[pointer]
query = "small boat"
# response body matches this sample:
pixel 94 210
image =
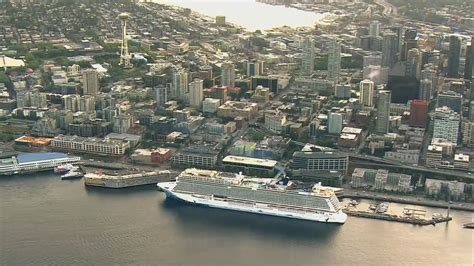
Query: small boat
pixel 469 225
pixel 373 207
pixel 74 173
pixel 382 207
pixel 63 168
pixel 354 202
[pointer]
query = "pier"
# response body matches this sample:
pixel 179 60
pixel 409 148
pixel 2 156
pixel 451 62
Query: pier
pixel 396 218
pixel 407 200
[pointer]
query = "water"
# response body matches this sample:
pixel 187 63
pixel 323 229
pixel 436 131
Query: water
pixel 250 14
pixel 44 220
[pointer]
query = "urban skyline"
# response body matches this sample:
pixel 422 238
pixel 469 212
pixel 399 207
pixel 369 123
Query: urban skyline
pixel 364 113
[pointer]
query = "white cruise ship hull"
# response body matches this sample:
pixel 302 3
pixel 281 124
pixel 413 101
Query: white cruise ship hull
pixel 209 201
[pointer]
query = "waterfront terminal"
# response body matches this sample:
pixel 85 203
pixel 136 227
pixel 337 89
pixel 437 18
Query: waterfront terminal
pixel 120 180
pixel 34 162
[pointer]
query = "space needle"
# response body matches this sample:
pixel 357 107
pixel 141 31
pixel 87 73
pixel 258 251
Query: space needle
pixel 124 54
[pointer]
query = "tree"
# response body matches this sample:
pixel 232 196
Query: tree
pixel 63 61
pixel 4 78
pixel 32 61
pixel 207 83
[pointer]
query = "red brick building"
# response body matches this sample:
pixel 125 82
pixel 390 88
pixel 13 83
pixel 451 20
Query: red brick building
pixel 418 113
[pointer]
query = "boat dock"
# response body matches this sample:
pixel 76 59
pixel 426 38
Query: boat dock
pixel 396 218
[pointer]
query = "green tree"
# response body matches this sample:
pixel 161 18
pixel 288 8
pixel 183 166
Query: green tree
pixel 207 83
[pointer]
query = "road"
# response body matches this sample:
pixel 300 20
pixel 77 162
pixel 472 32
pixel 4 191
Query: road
pixel 383 162
pixel 388 9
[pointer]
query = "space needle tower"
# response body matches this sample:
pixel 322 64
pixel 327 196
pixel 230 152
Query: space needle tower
pixel 124 55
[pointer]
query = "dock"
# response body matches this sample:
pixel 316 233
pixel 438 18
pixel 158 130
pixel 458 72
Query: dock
pixel 396 218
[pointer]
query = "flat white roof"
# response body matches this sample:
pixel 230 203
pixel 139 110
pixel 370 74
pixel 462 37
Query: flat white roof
pixel 6 61
pixel 351 130
pixel 249 161
pixel 461 157
pixel 348 136
pixel 435 148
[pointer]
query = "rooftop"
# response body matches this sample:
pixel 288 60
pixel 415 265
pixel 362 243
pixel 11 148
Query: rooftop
pixel 33 157
pixel 351 130
pixel 461 158
pixel 249 161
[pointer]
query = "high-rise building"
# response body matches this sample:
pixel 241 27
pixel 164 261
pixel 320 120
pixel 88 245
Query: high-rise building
pixel 308 56
pixel 160 94
pixel 451 99
pixel 334 59
pixel 122 123
pixel 454 56
pixel 109 112
pixel 468 134
pixel 63 119
pixel 319 161
pixel 314 127
pixel 413 63
pixel 196 94
pixel 446 124
pixel 374 28
pixel 418 113
pixel 87 104
pixel 383 112
pixel 71 102
pixel 366 97
pixel 342 91
pixel 90 82
pixel 410 41
pixel 426 90
pixel 255 68
pixel 389 49
pixel 275 121
pixel 23 99
pixel 335 121
pixel 429 72
pixel 220 20
pixel 228 75
pixel 179 84
pixel 468 66
pixel 398 30
pixel 471 111
pixel 38 99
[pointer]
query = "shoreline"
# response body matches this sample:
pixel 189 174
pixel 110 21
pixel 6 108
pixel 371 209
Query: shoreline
pixel 321 16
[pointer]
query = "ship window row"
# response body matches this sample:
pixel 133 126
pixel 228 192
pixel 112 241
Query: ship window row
pixel 200 179
pixel 255 195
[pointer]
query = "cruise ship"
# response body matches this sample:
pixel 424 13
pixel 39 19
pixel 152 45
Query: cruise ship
pixel 33 162
pixel 255 195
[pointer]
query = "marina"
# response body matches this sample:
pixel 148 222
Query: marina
pixel 380 211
